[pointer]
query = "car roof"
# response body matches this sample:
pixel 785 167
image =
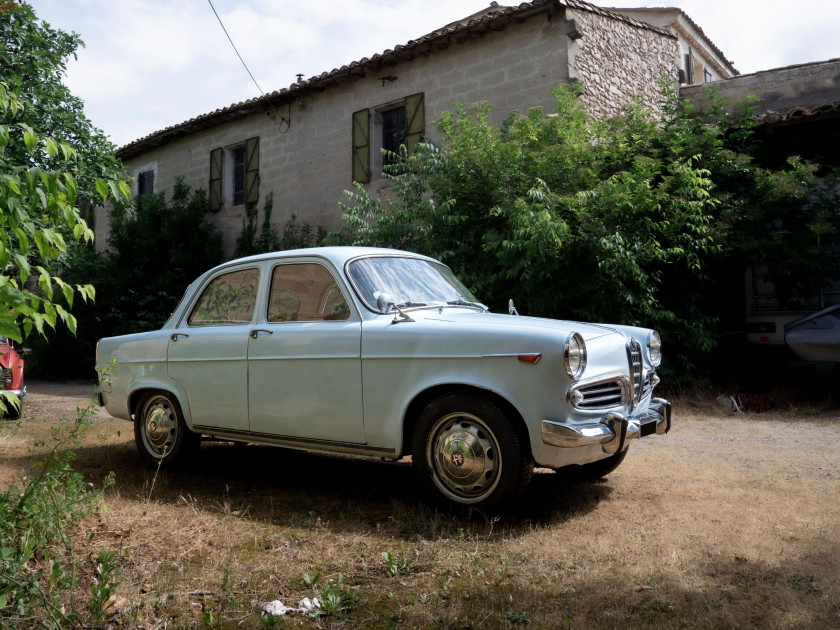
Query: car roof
pixel 338 255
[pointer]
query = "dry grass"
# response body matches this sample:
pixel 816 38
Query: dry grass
pixel 728 522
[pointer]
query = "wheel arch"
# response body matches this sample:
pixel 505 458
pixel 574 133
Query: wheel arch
pixel 419 402
pixel 138 394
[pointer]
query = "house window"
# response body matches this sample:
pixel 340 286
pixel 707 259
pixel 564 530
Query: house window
pixel 385 127
pixel 688 66
pixel 234 174
pixel 238 156
pixel 393 133
pixel 145 182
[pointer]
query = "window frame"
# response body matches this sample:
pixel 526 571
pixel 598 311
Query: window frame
pixel 320 299
pixel 210 281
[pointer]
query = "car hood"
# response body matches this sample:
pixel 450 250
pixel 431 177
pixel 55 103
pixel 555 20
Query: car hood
pixel 471 318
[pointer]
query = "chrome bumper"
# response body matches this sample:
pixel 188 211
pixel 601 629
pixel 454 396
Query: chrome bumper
pixel 20 393
pixel 613 431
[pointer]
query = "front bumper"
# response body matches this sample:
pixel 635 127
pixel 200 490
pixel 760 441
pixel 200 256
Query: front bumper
pixel 20 393
pixel 613 431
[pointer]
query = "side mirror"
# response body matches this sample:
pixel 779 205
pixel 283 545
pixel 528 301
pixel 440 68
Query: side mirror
pixel 384 303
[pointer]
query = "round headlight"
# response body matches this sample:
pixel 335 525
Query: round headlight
pixel 654 347
pixel 575 355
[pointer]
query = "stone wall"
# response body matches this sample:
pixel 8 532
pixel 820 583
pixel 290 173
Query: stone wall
pixel 615 60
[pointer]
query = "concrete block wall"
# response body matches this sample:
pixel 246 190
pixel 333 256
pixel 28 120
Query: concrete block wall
pixel 306 159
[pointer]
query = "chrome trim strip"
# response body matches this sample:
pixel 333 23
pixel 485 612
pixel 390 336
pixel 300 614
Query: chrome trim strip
pixel 294 442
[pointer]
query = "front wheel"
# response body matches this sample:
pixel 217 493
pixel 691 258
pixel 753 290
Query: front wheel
pixel 466 451
pixel 160 433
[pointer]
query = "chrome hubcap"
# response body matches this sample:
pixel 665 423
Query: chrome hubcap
pixel 464 458
pixel 160 426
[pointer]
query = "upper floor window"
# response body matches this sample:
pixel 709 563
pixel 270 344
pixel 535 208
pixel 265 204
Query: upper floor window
pixel 238 156
pixel 234 174
pixel 393 132
pixel 386 127
pixel 145 182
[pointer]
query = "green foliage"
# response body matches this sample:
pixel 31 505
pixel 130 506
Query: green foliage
pixel 295 235
pixel 33 60
pixel 37 210
pixel 333 598
pixel 38 563
pixel 156 248
pixel 627 220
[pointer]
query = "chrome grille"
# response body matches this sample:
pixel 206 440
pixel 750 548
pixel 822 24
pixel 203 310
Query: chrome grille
pixel 602 393
pixel 634 359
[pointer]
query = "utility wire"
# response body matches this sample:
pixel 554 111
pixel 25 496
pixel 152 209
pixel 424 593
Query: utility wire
pixel 236 51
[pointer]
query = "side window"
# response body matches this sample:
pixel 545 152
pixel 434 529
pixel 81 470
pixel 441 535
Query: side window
pixel 305 292
pixel 228 300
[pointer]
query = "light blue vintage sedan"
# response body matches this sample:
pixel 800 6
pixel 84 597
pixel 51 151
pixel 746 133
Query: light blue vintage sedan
pixel 384 353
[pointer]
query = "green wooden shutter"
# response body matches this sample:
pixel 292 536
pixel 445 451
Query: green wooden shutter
pixel 361 146
pixel 216 180
pixel 252 170
pixel 415 121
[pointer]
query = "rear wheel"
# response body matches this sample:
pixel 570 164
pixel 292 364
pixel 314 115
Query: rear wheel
pixel 466 451
pixel 161 436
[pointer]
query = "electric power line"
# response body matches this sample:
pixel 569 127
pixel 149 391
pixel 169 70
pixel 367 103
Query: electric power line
pixel 236 51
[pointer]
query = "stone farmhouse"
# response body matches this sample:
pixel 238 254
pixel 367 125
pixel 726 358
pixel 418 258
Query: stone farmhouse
pixel 309 142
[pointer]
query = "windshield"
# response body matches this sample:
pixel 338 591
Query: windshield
pixel 409 282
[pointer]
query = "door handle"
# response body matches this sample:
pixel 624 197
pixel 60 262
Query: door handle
pixel 174 336
pixel 256 332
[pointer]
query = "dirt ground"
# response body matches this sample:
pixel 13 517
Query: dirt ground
pixel 730 521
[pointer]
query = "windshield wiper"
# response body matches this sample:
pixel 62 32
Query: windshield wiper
pixel 410 304
pixel 460 302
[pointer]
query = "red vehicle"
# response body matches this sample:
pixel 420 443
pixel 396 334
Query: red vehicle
pixel 11 376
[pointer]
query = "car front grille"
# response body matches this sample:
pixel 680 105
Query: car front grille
pixel 634 359
pixel 603 393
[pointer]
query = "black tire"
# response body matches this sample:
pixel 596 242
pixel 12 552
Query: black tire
pixel 161 436
pixel 466 451
pixel 12 412
pixel 595 470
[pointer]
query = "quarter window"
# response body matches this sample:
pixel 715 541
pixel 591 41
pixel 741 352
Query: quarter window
pixel 305 292
pixel 228 300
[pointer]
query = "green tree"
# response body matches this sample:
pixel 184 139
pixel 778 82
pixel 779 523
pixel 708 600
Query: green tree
pixel 37 207
pixel 33 61
pixel 629 219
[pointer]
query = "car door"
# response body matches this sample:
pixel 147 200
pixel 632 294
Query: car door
pixel 304 361
pixel 208 352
